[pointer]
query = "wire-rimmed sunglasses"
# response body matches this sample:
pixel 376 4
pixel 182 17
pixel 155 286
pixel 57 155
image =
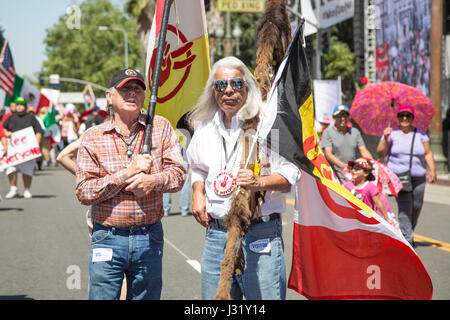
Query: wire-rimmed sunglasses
pixel 236 84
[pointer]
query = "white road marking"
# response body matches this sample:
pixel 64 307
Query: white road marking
pixel 193 263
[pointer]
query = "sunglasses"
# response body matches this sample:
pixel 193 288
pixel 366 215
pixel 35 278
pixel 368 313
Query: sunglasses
pixel 126 89
pixel 405 115
pixel 341 115
pixel 236 84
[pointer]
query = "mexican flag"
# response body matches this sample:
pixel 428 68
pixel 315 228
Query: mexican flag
pixel 22 88
pixel 52 130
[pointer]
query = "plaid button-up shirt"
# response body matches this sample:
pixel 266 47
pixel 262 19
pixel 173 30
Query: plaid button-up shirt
pixel 101 174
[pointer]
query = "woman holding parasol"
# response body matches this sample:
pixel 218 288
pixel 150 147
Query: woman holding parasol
pixel 409 154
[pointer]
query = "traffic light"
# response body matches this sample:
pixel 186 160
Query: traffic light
pixel 41 79
pixel 325 41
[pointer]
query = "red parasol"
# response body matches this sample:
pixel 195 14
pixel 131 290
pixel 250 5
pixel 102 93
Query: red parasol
pixel 374 107
pixel 385 179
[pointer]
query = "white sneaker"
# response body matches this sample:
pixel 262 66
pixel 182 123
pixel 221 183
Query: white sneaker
pixel 11 194
pixel 27 194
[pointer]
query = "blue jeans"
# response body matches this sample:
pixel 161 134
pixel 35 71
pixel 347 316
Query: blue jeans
pixel 264 275
pixel 185 196
pixel 136 253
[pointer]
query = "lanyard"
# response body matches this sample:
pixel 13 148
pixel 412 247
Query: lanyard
pixel 227 158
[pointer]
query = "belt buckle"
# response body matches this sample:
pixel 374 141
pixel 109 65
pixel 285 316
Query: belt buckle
pixel 265 218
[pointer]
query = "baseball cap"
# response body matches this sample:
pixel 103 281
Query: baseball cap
pixel 121 77
pixel 338 109
pixel 406 108
pixel 20 100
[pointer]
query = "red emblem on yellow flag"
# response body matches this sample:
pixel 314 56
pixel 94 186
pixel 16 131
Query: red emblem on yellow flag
pixel 185 66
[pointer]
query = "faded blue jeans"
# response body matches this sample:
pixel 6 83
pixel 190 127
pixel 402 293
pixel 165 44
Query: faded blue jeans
pixel 264 276
pixel 136 253
pixel 409 207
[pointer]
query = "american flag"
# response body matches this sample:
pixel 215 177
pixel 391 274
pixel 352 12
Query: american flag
pixel 7 71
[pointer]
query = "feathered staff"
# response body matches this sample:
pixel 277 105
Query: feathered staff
pixel 273 35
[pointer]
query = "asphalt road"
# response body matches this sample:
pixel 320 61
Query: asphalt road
pixel 44 243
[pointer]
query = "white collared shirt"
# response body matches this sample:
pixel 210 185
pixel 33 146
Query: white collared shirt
pixel 206 157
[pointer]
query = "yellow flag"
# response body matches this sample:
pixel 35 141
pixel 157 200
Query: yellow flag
pixel 185 66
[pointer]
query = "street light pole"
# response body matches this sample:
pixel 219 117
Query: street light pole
pixel 317 69
pixel 436 85
pixel 125 39
pixel 228 44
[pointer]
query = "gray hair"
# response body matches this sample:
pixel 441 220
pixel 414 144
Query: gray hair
pixel 206 106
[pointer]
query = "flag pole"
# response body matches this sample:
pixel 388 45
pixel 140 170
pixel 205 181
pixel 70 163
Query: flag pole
pixel 147 144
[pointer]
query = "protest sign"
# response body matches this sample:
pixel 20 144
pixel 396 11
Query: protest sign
pixel 327 95
pixel 22 147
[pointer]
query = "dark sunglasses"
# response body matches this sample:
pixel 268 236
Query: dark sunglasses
pixel 236 84
pixel 405 115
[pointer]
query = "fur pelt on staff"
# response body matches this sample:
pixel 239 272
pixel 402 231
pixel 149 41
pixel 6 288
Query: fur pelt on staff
pixel 244 208
pixel 273 35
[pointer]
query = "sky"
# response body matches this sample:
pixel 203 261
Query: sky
pixel 24 24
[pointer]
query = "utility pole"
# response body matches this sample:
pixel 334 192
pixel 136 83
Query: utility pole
pixel 317 69
pixel 369 40
pixel 436 85
pixel 228 43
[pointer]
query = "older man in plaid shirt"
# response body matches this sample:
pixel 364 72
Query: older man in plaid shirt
pixel 125 191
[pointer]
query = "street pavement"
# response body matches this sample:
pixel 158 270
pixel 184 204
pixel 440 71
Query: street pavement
pixel 44 243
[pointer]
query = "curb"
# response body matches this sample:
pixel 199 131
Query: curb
pixel 443 182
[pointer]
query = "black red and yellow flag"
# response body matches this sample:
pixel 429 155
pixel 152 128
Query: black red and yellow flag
pixel 342 249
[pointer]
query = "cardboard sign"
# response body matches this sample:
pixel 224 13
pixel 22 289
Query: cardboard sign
pixel 22 147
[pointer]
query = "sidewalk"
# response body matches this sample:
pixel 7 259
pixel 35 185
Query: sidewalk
pixel 443 179
pixel 439 192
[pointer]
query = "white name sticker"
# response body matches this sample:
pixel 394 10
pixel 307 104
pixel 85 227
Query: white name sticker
pixel 260 246
pixel 102 254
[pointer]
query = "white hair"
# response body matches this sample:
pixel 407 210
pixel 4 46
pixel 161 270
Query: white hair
pixel 206 106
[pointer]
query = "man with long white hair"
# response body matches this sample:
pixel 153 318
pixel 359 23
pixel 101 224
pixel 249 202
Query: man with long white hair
pixel 229 104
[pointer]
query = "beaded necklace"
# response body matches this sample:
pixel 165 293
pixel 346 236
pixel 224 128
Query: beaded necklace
pixel 129 151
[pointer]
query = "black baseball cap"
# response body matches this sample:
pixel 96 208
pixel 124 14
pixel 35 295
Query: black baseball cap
pixel 121 77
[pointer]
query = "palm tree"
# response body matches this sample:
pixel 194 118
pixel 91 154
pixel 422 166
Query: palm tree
pixel 143 11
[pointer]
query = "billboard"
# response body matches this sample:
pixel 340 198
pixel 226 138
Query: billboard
pixel 324 14
pixel 403 42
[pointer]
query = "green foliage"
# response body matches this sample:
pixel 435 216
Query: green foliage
pixel 88 53
pixel 2 39
pixel 340 62
pixel 135 7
